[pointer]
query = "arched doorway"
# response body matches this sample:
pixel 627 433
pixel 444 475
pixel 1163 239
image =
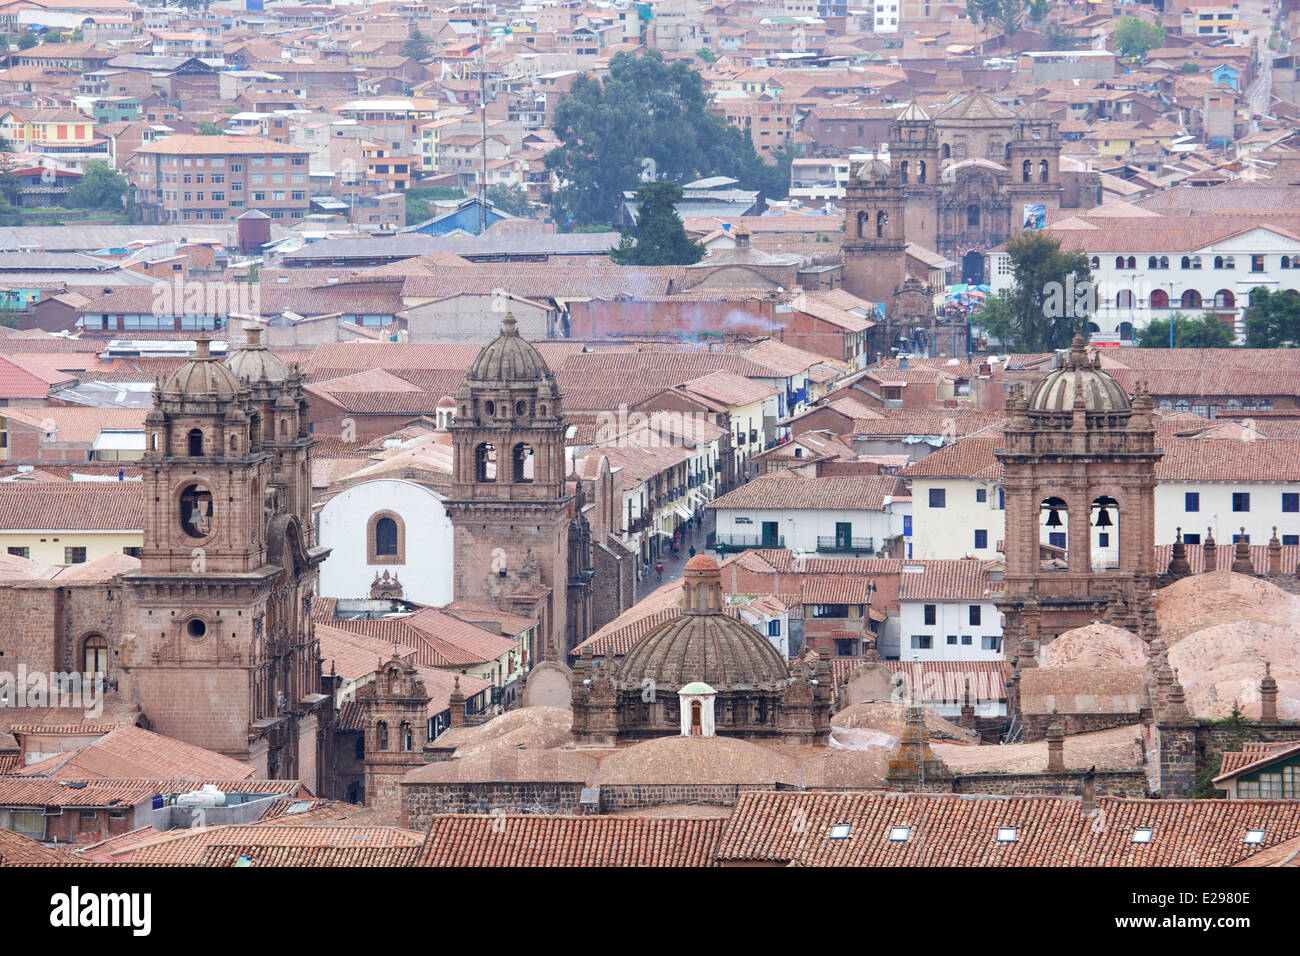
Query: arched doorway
pixel 697 719
pixel 972 268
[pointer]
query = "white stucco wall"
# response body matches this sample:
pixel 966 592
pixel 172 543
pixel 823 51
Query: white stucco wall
pixel 951 617
pixel 426 574
pixel 802 527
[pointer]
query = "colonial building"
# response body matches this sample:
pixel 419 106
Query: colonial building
pixel 699 673
pixel 521 542
pixel 217 645
pixel 1077 455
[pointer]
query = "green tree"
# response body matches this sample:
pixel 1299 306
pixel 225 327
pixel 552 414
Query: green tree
pixel 1037 11
pixel 1056 37
pixel 415 46
pixel 53 36
pixel 1272 320
pixel 647 119
pixel 660 237
pixel 1134 37
pixel 1206 332
pixel 101 187
pixel 1049 300
pixel 1009 16
pixel 254 274
pixel 509 200
pixel 707 55
pixel 209 128
pixel 27 40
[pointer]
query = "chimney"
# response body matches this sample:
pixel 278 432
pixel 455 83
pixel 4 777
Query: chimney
pixel 1088 799
pixel 1055 746
pixel 1268 697
pixel 457 704
pixel 1211 559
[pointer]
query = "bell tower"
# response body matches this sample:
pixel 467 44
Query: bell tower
pixel 218 647
pixel 874 247
pixel 510 506
pixel 1034 161
pixel 914 151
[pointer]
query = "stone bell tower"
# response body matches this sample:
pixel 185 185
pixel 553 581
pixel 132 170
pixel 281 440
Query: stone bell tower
pixel 510 507
pixel 1078 461
pixel 875 252
pixel 217 645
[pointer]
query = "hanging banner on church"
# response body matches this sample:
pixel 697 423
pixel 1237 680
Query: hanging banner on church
pixel 1035 216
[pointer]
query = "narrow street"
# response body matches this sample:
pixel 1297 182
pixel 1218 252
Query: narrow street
pixel 673 564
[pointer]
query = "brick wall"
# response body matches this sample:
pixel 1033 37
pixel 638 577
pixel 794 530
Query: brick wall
pixel 1110 783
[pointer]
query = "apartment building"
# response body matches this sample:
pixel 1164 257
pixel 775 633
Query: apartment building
pixel 194 178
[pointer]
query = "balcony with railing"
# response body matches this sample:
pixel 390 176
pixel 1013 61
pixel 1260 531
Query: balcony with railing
pixel 842 545
pixel 741 542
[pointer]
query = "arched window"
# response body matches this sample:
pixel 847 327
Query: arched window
pixel 1186 262
pixel 408 738
pixel 882 222
pixel 1132 262
pixel 1286 262
pixel 386 537
pixel 196 443
pixel 1153 262
pixel 1182 405
pixel 1196 262
pixel 1159 299
pixel 903 169
pixel 697 719
pixel 1191 299
pixel 920 170
pixel 1218 262
pixel 1126 331
pixel 1026 171
pixel 1229 262
pixel 1164 262
pixel 863 219
pixel 1095 262
pixel 485 462
pixel 523 463
pixel 1054 532
pixel 973 215
pixel 1224 299
pixel 94 655
pixel 945 151
pixel 255 430
pixel 196 511
pixel 381 735
pixel 1119 262
pixel 1043 171
pixel 1124 300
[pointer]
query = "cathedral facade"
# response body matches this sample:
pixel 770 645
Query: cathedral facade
pixel 216 644
pixel 960 183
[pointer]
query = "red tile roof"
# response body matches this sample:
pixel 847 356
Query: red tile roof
pixel 537 840
pixel 78 506
pixel 20 379
pixel 963 579
pixel 951 830
pixel 783 491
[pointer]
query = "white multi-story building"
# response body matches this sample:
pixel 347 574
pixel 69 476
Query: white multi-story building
pixel 827 515
pixel 886 16
pixel 1227 484
pixel 947 611
pixel 1150 268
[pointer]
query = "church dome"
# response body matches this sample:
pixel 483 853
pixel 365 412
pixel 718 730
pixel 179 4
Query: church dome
pixel 703 643
pixel 1077 377
pixel 509 360
pixel 255 363
pixel 202 377
pixel 875 172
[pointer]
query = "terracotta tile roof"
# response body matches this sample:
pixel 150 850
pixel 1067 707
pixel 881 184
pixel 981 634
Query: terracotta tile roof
pixel 340 845
pixel 780 559
pixel 952 422
pixel 18 850
pixel 968 457
pixel 783 491
pixel 77 424
pixel 836 589
pixel 728 387
pixel 44 792
pixel 964 579
pixel 944 682
pixel 135 753
pixel 79 506
pixel 19 379
pixel 1253 756
pixel 1213 459
pixel 950 830
pixel 537 840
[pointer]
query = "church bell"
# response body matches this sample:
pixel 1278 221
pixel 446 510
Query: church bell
pixel 1054 519
pixel 1103 519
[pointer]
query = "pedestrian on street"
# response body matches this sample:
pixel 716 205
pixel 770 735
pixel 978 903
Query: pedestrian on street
pixel 659 569
pixel 691 553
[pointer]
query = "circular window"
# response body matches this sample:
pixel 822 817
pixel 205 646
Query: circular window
pixel 521 409
pixel 195 627
pixel 490 407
